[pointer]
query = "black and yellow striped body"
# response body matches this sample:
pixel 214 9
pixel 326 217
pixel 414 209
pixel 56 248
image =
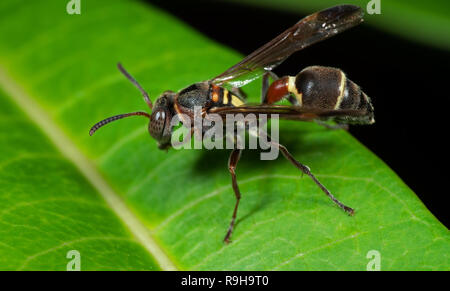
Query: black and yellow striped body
pixel 206 95
pixel 328 88
pixel 221 97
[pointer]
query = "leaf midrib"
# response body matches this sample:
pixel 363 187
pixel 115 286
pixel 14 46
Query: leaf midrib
pixel 68 149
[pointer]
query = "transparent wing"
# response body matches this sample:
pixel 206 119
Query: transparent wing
pixel 311 29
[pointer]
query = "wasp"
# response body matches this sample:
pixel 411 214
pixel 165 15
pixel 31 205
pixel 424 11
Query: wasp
pixel 316 93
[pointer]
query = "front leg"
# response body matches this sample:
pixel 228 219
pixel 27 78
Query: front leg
pixel 232 162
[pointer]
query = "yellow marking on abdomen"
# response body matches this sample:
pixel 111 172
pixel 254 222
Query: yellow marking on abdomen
pixel 235 101
pixel 341 91
pixel 293 89
pixel 226 98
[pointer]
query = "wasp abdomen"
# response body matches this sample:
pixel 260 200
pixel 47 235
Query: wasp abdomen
pixel 324 88
pixel 327 88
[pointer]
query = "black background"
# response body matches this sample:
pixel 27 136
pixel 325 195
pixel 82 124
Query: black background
pixel 407 81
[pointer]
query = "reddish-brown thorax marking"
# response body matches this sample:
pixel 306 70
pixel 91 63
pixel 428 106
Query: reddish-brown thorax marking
pixel 215 94
pixel 277 90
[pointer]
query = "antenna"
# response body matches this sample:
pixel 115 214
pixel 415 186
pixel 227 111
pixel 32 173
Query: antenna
pixel 135 83
pixel 114 118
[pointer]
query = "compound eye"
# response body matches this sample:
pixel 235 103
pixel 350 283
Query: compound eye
pixel 157 124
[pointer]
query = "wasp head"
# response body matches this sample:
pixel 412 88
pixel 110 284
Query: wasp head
pixel 159 125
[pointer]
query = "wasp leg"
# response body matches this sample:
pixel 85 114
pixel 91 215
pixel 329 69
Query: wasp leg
pixel 265 85
pixel 307 171
pixel 232 162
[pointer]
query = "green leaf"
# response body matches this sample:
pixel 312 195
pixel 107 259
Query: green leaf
pixel 424 21
pixel 49 208
pixel 123 204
